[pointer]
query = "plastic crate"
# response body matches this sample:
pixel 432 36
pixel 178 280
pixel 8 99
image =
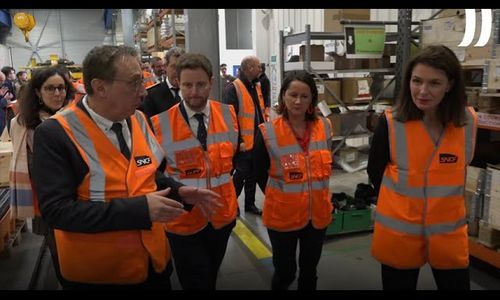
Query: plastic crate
pixel 355 220
pixel 336 224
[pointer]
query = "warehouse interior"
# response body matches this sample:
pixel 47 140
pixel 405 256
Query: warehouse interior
pixel 355 85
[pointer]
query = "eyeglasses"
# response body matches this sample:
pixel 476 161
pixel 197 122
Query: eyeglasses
pixel 136 84
pixel 52 89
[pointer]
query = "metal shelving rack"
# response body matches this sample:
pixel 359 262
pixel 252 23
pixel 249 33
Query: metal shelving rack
pixel 402 52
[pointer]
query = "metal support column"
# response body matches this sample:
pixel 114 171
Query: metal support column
pixel 403 46
pixel 197 40
pixel 127 27
pixel 307 60
pixel 63 52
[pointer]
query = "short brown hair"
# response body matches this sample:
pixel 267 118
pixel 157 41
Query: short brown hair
pixel 100 63
pixel 194 61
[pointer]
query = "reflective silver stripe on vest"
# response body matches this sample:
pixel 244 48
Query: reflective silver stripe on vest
pixel 297 187
pixel 202 182
pixel 418 229
pixel 418 192
pixel 469 133
pixel 328 133
pixel 167 142
pixel 97 180
pixel 228 120
pixel 151 139
pixel 274 151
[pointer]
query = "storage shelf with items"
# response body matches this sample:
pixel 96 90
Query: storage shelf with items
pixel 342 85
pixel 482 79
pixel 162 31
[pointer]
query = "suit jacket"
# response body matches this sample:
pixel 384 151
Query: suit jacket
pixel 159 99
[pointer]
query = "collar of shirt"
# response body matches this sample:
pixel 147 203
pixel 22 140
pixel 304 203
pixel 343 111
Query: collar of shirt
pixel 170 86
pixel 101 121
pixel 191 113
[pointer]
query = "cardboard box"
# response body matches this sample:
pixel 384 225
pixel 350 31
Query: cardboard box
pixel 343 63
pixel 446 13
pixel 348 154
pixel 323 94
pixel 356 90
pixel 492 191
pixel 332 18
pixel 336 120
pixel 449 31
pixel 6 150
pixel 490 105
pixel 317 53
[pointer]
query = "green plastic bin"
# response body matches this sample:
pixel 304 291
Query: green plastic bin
pixel 357 220
pixel 336 224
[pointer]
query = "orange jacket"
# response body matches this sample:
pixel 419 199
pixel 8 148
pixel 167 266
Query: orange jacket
pixel 115 257
pixel 189 164
pixel 420 213
pixel 246 111
pixel 297 190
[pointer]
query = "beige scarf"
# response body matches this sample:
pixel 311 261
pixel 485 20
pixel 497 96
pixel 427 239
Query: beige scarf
pixel 23 202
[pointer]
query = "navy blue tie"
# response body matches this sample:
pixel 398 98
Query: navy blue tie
pixel 201 133
pixel 117 129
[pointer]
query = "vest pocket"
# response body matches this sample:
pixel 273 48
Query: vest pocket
pixel 226 157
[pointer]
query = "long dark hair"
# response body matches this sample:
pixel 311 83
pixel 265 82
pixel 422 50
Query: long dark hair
pixel 30 103
pixel 452 107
pixel 305 77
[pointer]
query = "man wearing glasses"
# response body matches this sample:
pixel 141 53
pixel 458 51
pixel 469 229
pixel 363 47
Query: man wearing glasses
pixel 101 185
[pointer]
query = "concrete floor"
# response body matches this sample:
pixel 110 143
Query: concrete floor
pixel 346 263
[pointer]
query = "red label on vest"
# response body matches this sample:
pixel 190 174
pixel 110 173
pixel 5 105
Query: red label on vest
pixel 296 175
pixel 446 158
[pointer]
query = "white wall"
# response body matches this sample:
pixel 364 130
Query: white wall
pixel 230 56
pixel 4 56
pixel 82 29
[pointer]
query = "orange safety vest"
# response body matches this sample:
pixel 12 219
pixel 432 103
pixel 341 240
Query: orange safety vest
pixel 297 189
pixel 420 214
pixel 246 111
pixel 79 92
pixel 149 79
pixel 190 165
pixel 113 257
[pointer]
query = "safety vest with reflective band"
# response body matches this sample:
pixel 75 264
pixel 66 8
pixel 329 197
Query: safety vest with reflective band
pixel 420 214
pixel 148 80
pixel 189 164
pixel 298 185
pixel 246 111
pixel 113 257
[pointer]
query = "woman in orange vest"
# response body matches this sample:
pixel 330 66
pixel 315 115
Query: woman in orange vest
pixel 294 150
pixel 418 159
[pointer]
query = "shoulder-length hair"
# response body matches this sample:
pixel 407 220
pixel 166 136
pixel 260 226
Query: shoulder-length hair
pixel 302 76
pixel 452 107
pixel 30 103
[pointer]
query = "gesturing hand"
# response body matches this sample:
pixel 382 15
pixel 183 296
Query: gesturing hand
pixel 207 200
pixel 161 208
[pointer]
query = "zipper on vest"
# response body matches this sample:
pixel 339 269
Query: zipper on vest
pixel 309 184
pixel 207 168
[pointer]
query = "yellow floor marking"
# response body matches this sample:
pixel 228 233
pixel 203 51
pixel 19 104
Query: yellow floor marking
pixel 254 244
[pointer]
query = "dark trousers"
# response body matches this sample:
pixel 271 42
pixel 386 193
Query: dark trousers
pixel 155 281
pixel 244 176
pixel 284 246
pixel 397 279
pixel 198 257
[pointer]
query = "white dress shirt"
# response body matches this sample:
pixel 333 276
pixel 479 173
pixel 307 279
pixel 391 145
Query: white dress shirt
pixel 106 124
pixel 193 122
pixel 170 86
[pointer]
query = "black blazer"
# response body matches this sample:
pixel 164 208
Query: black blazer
pixel 159 99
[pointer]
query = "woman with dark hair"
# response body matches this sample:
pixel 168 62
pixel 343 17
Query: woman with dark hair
pixel 418 159
pixel 294 162
pixel 46 93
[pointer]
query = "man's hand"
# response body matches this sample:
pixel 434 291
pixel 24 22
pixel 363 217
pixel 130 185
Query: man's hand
pixel 242 147
pixel 161 208
pixel 3 90
pixel 206 200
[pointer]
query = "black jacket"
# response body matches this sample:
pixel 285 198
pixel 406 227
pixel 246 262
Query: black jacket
pixel 159 99
pixel 58 170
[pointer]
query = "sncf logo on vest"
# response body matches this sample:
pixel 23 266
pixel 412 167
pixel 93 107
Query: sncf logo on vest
pixel 446 158
pixel 141 161
pixel 193 171
pixel 296 175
